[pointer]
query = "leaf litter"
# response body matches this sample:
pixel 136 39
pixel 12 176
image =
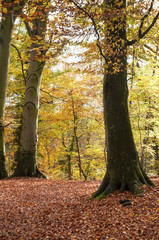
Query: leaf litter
pixel 58 209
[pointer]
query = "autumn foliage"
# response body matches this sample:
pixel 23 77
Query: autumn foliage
pixel 50 209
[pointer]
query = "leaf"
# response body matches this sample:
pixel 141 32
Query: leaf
pixel 4 10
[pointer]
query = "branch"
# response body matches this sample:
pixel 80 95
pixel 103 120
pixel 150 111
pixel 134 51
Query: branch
pixel 94 25
pixel 143 19
pixel 140 34
pixel 28 27
pixel 22 64
pixel 49 96
pixel 151 25
pixel 149 48
pixel 2 127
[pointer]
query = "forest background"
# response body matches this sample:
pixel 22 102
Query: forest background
pixel 71 109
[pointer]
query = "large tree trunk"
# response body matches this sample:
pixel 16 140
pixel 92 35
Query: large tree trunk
pixel 26 157
pixel 6 27
pixel 27 165
pixel 8 18
pixel 123 167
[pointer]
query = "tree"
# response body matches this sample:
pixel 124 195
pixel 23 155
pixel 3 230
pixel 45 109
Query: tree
pixel 42 36
pixel 10 11
pixel 26 157
pixel 123 167
pixel 71 104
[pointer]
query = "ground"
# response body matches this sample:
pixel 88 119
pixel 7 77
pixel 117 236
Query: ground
pixel 49 209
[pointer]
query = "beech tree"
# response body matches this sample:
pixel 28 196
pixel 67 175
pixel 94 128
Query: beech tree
pixel 9 13
pixel 123 170
pixel 26 156
pixel 42 37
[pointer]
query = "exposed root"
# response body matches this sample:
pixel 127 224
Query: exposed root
pixel 28 173
pixel 108 190
pixel 102 187
pixel 135 187
pixel 39 173
pixel 133 184
pixel 122 188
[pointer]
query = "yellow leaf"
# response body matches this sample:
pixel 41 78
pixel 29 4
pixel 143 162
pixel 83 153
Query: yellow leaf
pixel 5 10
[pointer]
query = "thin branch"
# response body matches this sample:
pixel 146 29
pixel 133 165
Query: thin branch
pixel 143 19
pixel 2 127
pixel 149 48
pixel 28 27
pixel 22 64
pixel 47 93
pixel 94 25
pixel 140 34
pixel 151 25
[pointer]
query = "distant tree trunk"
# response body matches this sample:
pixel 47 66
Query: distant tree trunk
pixel 123 167
pixel 6 26
pixel 69 151
pixel 26 157
pixel 156 150
pixel 81 172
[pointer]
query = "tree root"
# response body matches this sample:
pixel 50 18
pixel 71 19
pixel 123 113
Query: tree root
pixel 39 173
pixel 22 173
pixel 132 184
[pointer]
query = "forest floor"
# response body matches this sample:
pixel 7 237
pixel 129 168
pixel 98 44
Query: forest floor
pixel 58 209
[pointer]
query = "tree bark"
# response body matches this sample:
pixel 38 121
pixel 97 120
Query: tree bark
pixel 6 27
pixel 81 171
pixel 26 157
pixel 123 167
pixel 69 151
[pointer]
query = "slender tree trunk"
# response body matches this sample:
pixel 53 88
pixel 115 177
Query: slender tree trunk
pixel 81 172
pixel 69 166
pixel 69 151
pixel 123 167
pixel 27 164
pixel 156 150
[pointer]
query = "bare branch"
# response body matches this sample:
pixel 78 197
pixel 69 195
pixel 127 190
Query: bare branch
pixel 94 25
pixel 149 48
pixel 140 34
pixel 143 19
pixel 151 25
pixel 28 27
pixel 22 64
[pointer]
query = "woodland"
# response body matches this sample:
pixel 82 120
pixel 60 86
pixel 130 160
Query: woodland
pixel 68 38
pixel 79 103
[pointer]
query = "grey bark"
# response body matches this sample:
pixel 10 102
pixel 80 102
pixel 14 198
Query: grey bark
pixel 26 157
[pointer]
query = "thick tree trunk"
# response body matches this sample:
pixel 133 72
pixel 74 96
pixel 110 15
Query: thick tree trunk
pixel 26 157
pixel 123 167
pixel 6 27
pixel 27 165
